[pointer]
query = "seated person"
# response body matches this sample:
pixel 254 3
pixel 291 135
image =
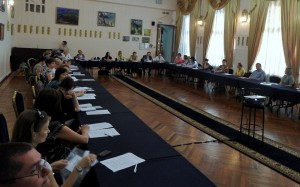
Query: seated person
pixel 133 57
pixel 107 57
pixel 159 58
pixel 60 74
pixel 120 57
pixel 240 71
pixel 206 65
pixel 258 74
pixel 288 78
pixel 47 53
pixel 49 71
pixel 49 100
pixel 70 104
pixel 66 55
pixel 178 59
pixel 192 63
pixel 147 59
pixel 222 68
pixel 80 55
pixel 21 165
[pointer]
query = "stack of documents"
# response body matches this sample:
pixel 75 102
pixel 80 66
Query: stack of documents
pixel 102 130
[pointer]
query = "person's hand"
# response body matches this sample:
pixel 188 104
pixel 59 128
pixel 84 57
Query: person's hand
pixel 84 128
pixel 87 160
pixel 80 93
pixel 60 164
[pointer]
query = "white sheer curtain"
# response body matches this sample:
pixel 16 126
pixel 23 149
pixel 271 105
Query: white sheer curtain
pixel 184 46
pixel 215 49
pixel 270 54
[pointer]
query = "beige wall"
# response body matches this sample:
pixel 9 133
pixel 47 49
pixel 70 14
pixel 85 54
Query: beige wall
pixel 91 45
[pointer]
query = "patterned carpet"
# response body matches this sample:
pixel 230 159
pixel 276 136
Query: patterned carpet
pixel 270 153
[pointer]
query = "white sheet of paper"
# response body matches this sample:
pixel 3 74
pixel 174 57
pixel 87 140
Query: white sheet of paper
pixel 85 105
pixel 111 132
pixel 121 162
pixel 98 107
pixel 86 97
pixel 78 89
pixel 74 78
pixel 87 109
pixel 98 126
pixel 87 80
pixel 72 163
pixel 97 112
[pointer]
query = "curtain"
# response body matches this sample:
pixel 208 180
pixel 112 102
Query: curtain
pixel 231 16
pixel 215 49
pixel 218 4
pixel 185 7
pixel 258 16
pixel 208 28
pixel 179 19
pixel 291 34
pixel 194 16
pixel 270 54
pixel 184 45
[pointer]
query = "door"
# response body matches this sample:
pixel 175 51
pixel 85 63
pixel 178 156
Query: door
pixel 165 41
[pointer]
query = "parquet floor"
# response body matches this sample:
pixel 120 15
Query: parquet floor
pixel 220 163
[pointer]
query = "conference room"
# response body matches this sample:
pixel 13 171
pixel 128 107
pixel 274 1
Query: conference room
pixel 182 123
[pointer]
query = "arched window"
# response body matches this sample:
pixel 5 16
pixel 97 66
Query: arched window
pixel 184 46
pixel 270 54
pixel 215 49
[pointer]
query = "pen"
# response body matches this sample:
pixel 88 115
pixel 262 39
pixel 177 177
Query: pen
pixel 135 168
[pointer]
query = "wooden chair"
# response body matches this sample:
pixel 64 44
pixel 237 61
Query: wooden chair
pixel 4 137
pixel 18 103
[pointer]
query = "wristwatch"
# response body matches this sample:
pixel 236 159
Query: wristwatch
pixel 78 169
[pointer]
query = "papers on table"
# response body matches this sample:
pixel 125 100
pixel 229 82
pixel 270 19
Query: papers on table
pixel 76 73
pixel 78 89
pixel 85 105
pixel 88 107
pixel 111 132
pixel 121 162
pixel 255 97
pixel 87 96
pixel 74 78
pixel 100 126
pixel 97 112
pixel 268 83
pixel 86 79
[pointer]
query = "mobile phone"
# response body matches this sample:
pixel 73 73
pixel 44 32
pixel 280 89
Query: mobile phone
pixel 104 153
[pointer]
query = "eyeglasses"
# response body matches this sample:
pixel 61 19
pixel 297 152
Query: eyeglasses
pixel 40 170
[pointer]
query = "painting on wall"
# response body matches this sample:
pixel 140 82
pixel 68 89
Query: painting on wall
pixel 2 5
pixel 136 27
pixel 147 32
pixel 135 39
pixel 145 40
pixel 106 19
pixel 126 38
pixel 1 31
pixel 67 16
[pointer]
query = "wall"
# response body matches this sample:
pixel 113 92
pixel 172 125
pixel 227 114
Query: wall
pixel 92 45
pixel 5 45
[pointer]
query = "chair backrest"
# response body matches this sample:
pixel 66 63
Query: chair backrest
pixel 4 137
pixel 247 74
pixel 18 103
pixel 274 79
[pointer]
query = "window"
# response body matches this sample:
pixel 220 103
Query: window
pixel 184 46
pixel 215 49
pixel 270 54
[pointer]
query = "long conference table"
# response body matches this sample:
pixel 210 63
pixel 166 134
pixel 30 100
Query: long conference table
pixel 275 91
pixel 163 165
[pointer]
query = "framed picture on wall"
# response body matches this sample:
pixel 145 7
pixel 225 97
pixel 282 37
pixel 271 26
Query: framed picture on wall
pixel 1 31
pixel 106 19
pixel 126 38
pixel 2 5
pixel 145 40
pixel 147 32
pixel 136 27
pixel 67 16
